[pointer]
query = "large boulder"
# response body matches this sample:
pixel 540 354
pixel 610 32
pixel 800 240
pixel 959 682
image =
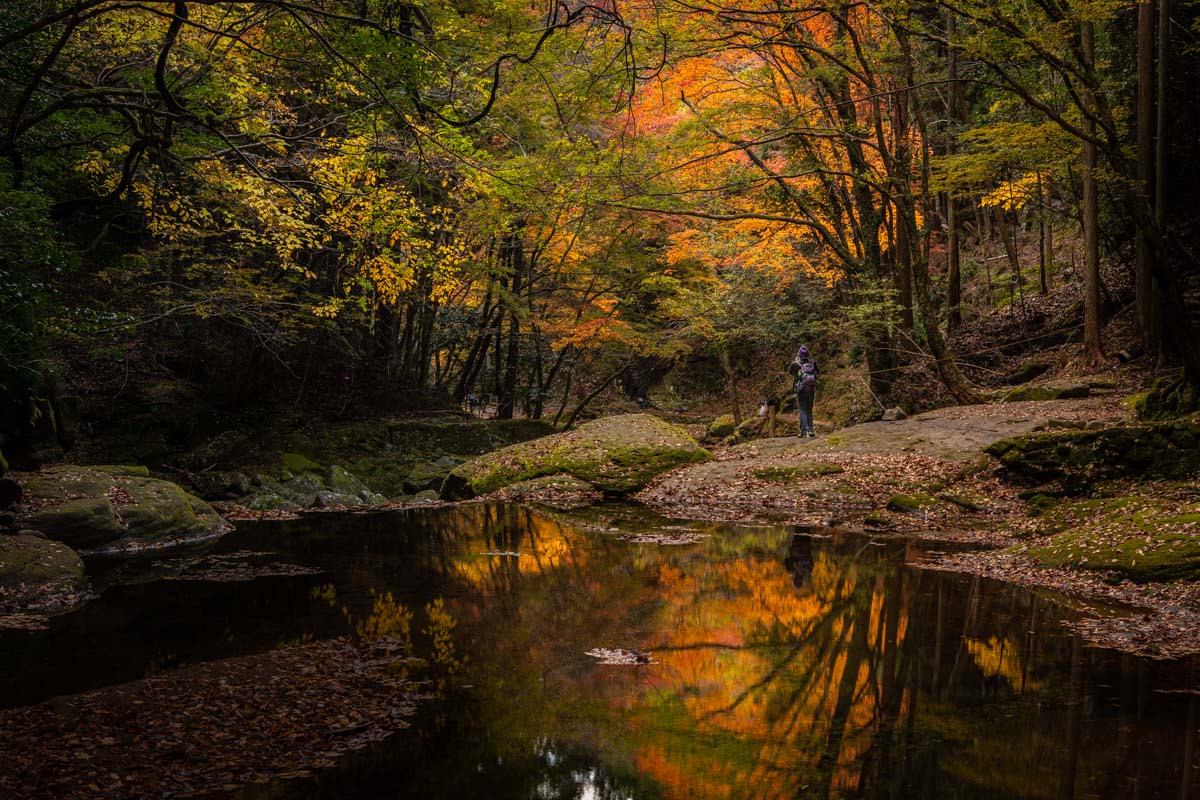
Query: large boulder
pixel 93 507
pixel 38 575
pixel 721 427
pixel 617 455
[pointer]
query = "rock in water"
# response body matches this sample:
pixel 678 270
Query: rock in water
pixel 92 507
pixel 617 455
pixel 38 575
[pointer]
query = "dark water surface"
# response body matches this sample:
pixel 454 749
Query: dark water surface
pixel 787 665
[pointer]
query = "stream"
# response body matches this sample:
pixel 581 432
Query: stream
pixel 764 662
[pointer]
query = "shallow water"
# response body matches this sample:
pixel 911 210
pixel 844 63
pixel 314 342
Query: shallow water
pixel 785 664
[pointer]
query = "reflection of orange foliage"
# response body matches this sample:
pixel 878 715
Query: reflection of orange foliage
pixel 733 664
pixel 543 546
pixel 763 686
pixel 671 772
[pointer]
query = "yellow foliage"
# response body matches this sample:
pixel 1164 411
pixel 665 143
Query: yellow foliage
pixel 1014 194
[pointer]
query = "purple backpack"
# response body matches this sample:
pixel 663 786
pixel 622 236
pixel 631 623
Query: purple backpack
pixel 806 380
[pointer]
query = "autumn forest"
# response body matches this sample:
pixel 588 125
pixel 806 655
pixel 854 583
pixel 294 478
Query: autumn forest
pixel 317 202
pixel 599 399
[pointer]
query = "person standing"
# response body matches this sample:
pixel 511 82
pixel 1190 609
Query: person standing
pixel 804 381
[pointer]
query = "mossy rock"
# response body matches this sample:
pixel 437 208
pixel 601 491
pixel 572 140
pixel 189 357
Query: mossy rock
pixel 300 491
pixel 1041 504
pixel 91 507
pixel 1079 459
pixel 721 427
pixel 349 490
pixel 128 470
pixel 877 519
pixel 801 472
pixel 38 574
pixel 84 523
pixel 1140 538
pixel 298 464
pixel 1167 399
pixel 617 455
pixel 1048 392
pixel 910 503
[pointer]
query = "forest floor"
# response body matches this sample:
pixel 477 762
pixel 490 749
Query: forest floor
pixel 928 476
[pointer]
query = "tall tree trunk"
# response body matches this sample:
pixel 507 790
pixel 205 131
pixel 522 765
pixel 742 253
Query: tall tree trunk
pixel 953 264
pixel 1093 350
pixel 901 241
pixel 1045 242
pixel 731 382
pixel 948 370
pixel 1160 172
pixel 903 266
pixel 1145 169
pixel 1008 236
pixel 477 357
pixel 506 396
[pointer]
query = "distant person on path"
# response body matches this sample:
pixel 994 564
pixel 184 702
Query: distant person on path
pixel 804 380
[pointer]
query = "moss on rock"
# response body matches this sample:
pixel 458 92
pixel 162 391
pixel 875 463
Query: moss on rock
pixel 90 507
pixel 38 574
pixel 721 427
pixel 1048 392
pixel 83 523
pixel 1140 538
pixel 1168 399
pixel 1080 459
pixel 617 455
pixel 298 464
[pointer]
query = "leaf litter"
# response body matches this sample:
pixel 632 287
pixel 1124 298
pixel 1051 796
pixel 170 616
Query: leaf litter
pixel 216 726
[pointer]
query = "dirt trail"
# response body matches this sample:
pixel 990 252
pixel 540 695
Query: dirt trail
pixel 924 472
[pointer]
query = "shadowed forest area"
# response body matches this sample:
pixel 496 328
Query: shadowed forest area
pixel 401 399
pixel 364 207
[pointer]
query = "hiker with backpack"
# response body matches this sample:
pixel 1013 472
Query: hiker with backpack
pixel 804 381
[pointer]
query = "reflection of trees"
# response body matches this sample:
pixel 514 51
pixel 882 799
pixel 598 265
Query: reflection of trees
pixel 861 679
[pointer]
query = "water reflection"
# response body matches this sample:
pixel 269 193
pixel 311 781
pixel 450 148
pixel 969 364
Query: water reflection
pixel 789 665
